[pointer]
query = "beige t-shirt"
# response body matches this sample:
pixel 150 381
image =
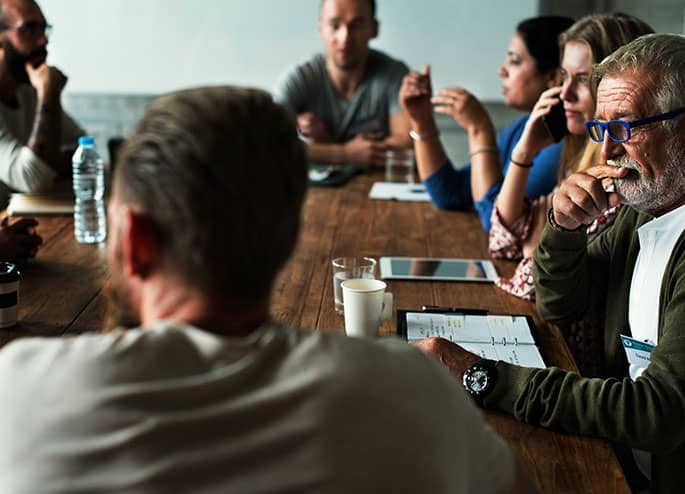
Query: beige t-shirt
pixel 20 168
pixel 175 409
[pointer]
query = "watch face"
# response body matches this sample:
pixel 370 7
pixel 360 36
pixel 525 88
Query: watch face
pixel 477 380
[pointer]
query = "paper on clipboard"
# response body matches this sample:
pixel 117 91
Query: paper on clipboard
pixel 399 192
pixel 496 337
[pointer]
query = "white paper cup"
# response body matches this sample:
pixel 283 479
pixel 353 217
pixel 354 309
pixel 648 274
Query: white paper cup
pixel 366 305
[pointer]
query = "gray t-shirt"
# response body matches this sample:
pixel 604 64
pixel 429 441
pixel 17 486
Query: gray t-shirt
pixel 307 88
pixel 172 408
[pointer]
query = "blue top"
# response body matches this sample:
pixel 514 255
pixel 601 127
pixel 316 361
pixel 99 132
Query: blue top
pixel 451 189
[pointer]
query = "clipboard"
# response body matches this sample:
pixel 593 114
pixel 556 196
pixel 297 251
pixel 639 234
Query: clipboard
pixel 506 337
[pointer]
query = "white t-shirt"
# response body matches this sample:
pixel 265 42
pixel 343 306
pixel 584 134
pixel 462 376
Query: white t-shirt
pixel 172 408
pixel 657 240
pixel 20 168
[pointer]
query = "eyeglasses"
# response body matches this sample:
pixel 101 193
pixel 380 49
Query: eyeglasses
pixel 619 130
pixel 31 29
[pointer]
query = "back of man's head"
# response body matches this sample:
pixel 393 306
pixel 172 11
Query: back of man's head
pixel 221 175
pixel 658 58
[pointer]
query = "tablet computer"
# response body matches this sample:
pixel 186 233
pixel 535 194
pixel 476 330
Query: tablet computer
pixel 424 268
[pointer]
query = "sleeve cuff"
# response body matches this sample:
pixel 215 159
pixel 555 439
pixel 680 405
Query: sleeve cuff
pixel 512 381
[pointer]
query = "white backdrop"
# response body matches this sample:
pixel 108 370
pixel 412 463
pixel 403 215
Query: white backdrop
pixel 152 46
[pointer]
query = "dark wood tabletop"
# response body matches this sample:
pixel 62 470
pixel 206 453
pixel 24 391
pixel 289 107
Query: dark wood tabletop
pixel 61 293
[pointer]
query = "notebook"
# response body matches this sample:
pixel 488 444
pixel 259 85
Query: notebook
pixel 40 204
pixel 497 337
pixel 399 192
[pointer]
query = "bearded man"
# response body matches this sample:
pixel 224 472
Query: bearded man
pixel 37 138
pixel 634 270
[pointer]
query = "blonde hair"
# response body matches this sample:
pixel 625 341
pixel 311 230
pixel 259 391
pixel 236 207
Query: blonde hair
pixel 602 34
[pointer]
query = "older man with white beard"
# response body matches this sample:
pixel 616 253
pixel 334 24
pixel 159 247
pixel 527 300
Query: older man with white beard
pixel 634 270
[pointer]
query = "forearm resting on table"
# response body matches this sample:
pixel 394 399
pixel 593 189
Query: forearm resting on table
pixel 326 153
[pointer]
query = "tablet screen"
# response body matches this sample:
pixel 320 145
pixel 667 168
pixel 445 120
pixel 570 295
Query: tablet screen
pixel 439 269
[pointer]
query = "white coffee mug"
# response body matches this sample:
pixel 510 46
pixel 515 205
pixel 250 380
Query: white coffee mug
pixel 366 305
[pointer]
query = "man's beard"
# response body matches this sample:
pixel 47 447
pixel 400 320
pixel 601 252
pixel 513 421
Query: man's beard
pixel 651 195
pixel 15 61
pixel 120 311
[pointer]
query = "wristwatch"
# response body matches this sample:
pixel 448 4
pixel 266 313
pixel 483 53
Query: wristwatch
pixel 480 379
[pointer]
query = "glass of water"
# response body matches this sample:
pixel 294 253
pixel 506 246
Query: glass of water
pixel 399 166
pixel 346 268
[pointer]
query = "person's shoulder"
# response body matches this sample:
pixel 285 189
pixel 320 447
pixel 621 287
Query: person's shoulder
pixel 387 363
pixel 313 67
pixel 28 362
pixel 517 125
pixel 384 63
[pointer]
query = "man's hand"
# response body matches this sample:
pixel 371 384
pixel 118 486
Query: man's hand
pixel 47 80
pixel 365 151
pixel 581 197
pixel 452 356
pixel 18 240
pixel 312 127
pixel 415 98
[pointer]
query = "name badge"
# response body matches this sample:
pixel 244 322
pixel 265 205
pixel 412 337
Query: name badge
pixel 638 354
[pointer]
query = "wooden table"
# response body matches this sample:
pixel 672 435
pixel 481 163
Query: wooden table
pixel 61 293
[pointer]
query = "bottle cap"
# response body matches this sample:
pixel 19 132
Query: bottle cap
pixel 86 141
pixel 9 272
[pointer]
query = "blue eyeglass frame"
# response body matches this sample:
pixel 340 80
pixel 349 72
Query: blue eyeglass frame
pixel 629 125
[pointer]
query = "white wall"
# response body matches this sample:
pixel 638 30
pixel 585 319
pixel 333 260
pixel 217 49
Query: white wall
pixel 152 46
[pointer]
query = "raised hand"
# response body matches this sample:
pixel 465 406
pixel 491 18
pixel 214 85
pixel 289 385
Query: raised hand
pixel 535 135
pixel 463 106
pixel 581 197
pixel 415 98
pixel 46 79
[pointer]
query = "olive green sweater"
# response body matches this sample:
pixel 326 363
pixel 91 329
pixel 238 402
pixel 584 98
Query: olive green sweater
pixel 648 413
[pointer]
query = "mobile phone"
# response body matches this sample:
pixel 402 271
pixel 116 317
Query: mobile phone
pixel 555 121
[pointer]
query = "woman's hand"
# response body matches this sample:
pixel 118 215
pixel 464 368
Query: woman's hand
pixel 415 99
pixel 464 107
pixel 535 135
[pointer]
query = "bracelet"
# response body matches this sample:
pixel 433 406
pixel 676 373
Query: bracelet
pixel 418 137
pixel 522 165
pixel 484 149
pixel 556 226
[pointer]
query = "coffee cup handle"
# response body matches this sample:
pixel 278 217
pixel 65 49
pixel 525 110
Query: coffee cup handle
pixel 386 313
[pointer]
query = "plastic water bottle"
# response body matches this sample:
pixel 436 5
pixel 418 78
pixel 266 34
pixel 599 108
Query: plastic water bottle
pixel 90 220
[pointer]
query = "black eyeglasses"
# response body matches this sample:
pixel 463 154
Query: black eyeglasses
pixel 31 29
pixel 619 130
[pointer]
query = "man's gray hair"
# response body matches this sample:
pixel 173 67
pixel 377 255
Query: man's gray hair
pixel 658 58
